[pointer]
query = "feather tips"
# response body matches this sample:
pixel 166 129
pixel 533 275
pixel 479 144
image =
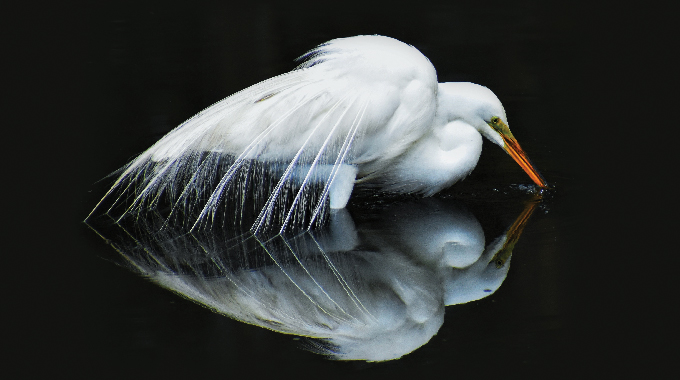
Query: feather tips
pixel 273 150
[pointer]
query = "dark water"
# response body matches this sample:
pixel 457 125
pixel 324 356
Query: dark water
pixel 138 70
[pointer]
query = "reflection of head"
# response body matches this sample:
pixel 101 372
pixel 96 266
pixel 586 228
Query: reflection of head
pixel 478 280
pixel 446 235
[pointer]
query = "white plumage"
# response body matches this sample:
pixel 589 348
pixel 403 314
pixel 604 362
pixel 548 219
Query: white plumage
pixel 365 109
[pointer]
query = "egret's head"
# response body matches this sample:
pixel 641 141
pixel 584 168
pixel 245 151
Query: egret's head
pixel 479 107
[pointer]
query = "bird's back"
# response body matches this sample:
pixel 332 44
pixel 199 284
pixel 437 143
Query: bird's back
pixel 359 101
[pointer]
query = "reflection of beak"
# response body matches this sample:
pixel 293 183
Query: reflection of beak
pixel 515 151
pixel 513 234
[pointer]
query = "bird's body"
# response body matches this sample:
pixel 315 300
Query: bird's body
pixel 365 109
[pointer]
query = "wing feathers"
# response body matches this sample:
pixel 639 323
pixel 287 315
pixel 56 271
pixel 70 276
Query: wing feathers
pixel 268 155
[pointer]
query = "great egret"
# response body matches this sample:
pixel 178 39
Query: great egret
pixel 364 110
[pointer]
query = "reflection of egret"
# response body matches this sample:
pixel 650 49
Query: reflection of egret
pixel 365 110
pixel 374 290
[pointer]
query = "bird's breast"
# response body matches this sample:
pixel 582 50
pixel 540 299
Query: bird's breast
pixel 438 160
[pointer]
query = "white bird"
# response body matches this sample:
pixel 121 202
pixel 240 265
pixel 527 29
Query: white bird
pixel 364 110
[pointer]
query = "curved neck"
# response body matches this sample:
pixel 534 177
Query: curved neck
pixel 436 161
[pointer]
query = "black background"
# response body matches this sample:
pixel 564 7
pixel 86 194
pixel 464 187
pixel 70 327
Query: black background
pixel 91 86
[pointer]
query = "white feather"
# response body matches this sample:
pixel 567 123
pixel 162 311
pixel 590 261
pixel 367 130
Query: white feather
pixel 368 104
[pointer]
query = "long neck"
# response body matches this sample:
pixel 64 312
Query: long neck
pixel 435 162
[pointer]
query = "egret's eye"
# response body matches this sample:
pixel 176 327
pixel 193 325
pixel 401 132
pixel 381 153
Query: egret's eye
pixel 495 120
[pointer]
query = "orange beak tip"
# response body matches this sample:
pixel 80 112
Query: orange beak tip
pixel 517 154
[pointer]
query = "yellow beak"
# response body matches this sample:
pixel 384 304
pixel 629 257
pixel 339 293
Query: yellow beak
pixel 515 151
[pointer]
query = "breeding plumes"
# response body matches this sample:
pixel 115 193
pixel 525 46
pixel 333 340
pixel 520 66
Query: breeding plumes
pixel 364 110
